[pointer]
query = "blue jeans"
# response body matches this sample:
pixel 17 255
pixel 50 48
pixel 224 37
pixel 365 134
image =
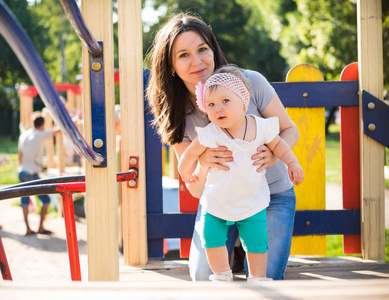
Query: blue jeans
pixel 23 177
pixel 280 220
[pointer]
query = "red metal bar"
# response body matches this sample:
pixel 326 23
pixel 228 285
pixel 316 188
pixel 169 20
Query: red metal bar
pixel 127 176
pixel 5 271
pixel 77 187
pixel 66 190
pixel 71 236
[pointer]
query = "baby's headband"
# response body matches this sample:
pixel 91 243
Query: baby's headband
pixel 226 80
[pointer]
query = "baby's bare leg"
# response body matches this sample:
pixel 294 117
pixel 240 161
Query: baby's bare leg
pixel 218 259
pixel 257 264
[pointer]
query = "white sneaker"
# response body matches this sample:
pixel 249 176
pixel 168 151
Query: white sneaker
pixel 253 279
pixel 223 276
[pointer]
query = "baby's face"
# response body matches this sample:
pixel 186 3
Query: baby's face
pixel 224 108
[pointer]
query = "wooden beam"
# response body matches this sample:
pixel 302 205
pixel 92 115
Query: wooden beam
pixel 370 59
pixel 50 142
pixel 26 108
pixel 132 130
pixel 102 209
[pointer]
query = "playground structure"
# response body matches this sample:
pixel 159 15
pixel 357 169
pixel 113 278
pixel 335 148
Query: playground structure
pixel 59 152
pixel 304 100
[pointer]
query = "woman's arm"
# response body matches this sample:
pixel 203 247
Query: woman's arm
pixel 288 132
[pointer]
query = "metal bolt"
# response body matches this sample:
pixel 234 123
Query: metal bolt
pixel 371 105
pixel 96 66
pixel 305 95
pixel 98 143
pixel 132 183
pixel 371 126
pixel 307 223
pixel 133 161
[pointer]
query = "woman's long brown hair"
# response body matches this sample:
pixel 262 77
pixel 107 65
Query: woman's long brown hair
pixel 167 94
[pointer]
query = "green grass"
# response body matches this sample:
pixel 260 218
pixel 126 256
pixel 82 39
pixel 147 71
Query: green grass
pixel 8 161
pixel 387 245
pixel 333 163
pixel 335 246
pixel 333 160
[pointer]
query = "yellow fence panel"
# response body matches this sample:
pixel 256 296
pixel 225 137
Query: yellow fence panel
pixel 310 151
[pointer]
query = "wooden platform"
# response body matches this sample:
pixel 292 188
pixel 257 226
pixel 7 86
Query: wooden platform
pixel 307 277
pixel 40 269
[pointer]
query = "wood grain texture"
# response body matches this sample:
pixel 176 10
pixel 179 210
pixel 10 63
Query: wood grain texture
pixel 370 60
pixel 102 212
pixel 132 130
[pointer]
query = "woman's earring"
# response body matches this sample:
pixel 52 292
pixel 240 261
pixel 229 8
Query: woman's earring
pixel 173 73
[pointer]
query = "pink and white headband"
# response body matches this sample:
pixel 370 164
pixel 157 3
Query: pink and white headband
pixel 226 80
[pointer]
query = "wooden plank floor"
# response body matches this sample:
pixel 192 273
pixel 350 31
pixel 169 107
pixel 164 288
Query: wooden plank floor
pixel 40 269
pixel 330 269
pixel 306 278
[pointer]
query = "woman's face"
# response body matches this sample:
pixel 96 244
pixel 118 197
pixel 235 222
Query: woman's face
pixel 193 59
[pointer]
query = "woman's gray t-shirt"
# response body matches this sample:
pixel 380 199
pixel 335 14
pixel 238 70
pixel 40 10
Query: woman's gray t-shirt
pixel 261 95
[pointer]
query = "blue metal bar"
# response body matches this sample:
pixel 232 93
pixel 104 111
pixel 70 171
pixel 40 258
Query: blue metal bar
pixel 18 40
pixel 97 88
pixel 74 15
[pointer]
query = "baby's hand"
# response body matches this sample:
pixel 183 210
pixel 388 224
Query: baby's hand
pixel 296 173
pixel 189 178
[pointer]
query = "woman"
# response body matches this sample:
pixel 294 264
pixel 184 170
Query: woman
pixel 185 51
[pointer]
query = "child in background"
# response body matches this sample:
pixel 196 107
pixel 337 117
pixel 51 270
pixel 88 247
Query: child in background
pixel 242 194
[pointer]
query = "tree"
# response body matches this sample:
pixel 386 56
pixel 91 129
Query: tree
pixel 62 52
pixel 241 35
pixel 11 70
pixel 320 32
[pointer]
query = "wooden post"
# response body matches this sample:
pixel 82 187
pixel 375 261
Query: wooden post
pixel 102 219
pixel 60 151
pixel 50 142
pixel 26 108
pixel 132 130
pixel 370 59
pixel 310 151
pixel 70 102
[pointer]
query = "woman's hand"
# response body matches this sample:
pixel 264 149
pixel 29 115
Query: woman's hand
pixel 215 157
pixel 264 158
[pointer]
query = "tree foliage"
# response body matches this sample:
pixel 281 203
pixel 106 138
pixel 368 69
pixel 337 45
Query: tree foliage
pixel 11 70
pixel 62 53
pixel 320 32
pixel 240 33
pixel 268 36
pixel 52 36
